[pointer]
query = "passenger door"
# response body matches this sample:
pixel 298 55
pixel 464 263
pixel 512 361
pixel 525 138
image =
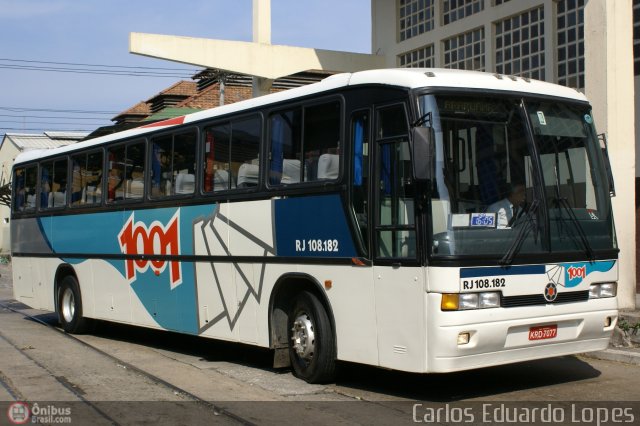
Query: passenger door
pixel 398 276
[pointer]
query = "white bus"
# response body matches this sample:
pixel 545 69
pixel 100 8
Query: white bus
pixel 354 219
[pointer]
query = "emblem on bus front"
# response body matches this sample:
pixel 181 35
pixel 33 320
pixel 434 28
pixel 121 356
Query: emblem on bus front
pixel 550 292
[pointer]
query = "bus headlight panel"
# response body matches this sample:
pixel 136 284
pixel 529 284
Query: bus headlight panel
pixel 470 301
pixel 602 290
pixel 489 300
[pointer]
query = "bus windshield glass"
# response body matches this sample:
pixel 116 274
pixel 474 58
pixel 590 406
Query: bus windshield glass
pixel 515 175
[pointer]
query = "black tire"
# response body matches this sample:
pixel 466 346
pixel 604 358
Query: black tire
pixel 70 307
pixel 312 346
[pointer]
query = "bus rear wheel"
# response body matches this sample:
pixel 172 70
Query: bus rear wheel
pixel 70 307
pixel 312 348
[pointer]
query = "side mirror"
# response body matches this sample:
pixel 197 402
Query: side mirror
pixel 422 148
pixel 607 163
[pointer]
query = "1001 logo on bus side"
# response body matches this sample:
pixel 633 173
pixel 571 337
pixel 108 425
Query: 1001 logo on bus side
pixel 137 239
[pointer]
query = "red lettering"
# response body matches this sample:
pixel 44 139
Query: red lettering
pixel 574 272
pixel 136 239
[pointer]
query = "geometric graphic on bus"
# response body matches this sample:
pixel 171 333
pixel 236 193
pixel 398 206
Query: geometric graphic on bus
pixel 225 287
pixel 570 275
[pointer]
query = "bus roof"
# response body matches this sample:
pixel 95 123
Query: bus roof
pixel 410 78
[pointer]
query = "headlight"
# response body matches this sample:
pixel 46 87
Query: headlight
pixel 469 301
pixel 489 300
pixel 597 291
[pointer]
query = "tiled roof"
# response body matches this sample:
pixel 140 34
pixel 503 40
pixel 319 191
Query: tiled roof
pixel 141 108
pixel 205 99
pixel 181 88
pixel 185 94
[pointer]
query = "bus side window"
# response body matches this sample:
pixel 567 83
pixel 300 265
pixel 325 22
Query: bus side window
pixel 86 179
pixel 25 179
pixel 360 172
pixel 115 174
pixel 286 147
pixel 53 184
pixel 322 142
pixel 46 171
pixel 134 170
pixel 216 158
pixel 161 166
pixel 245 152
pixel 184 162
pixel 93 178
pixel 309 152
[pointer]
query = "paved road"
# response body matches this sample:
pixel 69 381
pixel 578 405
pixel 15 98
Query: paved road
pixel 157 377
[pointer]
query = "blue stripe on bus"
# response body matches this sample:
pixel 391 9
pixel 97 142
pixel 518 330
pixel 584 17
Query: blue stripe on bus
pixel 497 270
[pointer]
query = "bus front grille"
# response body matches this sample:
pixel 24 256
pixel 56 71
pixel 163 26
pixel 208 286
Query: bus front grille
pixel 538 299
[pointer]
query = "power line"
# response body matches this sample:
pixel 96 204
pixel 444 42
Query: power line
pixel 52 116
pixel 72 111
pixel 52 122
pixel 40 129
pixel 93 72
pixel 98 65
pixel 96 69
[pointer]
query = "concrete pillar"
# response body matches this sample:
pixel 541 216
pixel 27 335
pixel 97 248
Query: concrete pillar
pixel 261 35
pixel 610 88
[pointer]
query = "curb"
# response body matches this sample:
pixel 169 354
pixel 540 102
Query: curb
pixel 618 355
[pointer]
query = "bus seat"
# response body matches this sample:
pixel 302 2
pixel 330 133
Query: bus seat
pixel 221 181
pixel 328 166
pixel 248 175
pixel 291 171
pixel 186 183
pixel 136 188
pixel 31 201
pixel 56 199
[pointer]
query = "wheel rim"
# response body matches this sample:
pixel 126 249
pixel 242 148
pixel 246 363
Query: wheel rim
pixel 68 305
pixel 303 337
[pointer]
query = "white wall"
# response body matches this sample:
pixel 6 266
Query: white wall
pixel 637 120
pixel 609 86
pixel 8 152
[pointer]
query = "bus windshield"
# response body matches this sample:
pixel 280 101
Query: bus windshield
pixel 516 175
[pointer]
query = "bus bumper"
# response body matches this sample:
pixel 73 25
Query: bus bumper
pixel 502 335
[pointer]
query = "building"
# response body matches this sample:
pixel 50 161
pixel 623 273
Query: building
pixel 12 145
pixel 584 44
pixel 210 88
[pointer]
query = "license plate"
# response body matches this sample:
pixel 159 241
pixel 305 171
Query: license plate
pixel 543 332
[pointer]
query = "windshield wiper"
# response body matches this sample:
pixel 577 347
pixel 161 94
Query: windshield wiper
pixel 562 202
pixel 530 225
pixel 425 118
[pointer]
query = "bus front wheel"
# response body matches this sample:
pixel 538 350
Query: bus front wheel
pixel 70 307
pixel 312 347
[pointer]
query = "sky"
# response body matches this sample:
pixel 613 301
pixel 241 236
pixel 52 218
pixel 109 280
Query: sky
pixel 96 32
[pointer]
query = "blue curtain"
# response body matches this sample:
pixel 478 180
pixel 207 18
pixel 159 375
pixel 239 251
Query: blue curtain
pixel 486 166
pixel 386 170
pixel 277 140
pixel 357 154
pixel 155 165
